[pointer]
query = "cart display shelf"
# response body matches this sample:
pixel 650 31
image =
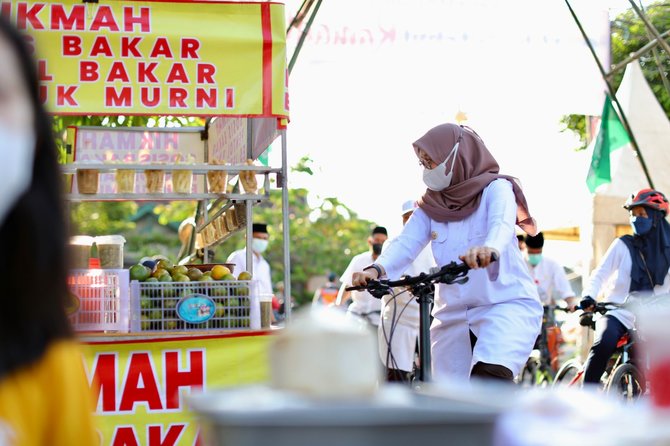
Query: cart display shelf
pixel 196 168
pixel 162 197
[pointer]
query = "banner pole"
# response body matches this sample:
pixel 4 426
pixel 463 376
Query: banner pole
pixel 612 94
pixel 285 228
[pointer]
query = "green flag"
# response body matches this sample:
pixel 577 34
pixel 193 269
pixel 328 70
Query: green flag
pixel 264 158
pixel 611 136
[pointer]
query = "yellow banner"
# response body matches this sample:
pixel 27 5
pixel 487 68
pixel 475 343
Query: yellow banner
pixel 139 385
pixel 157 58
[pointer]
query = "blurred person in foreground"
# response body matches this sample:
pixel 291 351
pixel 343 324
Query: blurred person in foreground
pixel 44 394
pixel 398 332
pixel 486 327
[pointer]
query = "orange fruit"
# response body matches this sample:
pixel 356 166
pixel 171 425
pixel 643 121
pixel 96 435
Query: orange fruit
pixel 219 271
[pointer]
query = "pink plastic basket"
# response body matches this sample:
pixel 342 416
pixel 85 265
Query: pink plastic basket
pixel 100 300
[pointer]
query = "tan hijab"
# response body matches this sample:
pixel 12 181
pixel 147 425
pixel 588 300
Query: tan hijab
pixel 474 170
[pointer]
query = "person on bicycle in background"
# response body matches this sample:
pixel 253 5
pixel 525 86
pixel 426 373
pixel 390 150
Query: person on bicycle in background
pixel 633 264
pixel 552 286
pixel 326 295
pixel 398 331
pixel 550 278
pixel 485 328
pixel 363 304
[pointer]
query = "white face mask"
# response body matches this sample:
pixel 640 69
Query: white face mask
pixel 259 245
pixel 17 152
pixel 435 179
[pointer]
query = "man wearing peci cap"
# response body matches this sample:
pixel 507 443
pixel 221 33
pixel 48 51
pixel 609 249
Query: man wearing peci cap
pixel 363 304
pixel 548 275
pixel 398 331
pixel 261 268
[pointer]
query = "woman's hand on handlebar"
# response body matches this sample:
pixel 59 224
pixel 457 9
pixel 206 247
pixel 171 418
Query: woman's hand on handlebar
pixel 479 256
pixel 362 278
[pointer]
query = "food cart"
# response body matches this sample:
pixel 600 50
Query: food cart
pixel 225 61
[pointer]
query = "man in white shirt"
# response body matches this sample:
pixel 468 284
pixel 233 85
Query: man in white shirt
pixel 398 331
pixel 261 268
pixel 549 276
pixel 363 304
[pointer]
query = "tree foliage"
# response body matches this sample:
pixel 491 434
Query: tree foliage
pixel 628 34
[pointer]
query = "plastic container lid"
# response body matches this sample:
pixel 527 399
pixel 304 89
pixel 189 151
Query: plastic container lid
pixel 82 240
pixel 110 240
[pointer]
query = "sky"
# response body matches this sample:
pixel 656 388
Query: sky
pixel 375 75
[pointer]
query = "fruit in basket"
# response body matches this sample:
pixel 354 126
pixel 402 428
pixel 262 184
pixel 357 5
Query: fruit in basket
pixel 205 278
pixel 171 325
pixel 243 291
pixel 165 277
pixel 156 315
pixel 146 322
pixel 228 277
pixel 72 304
pixel 178 269
pixel 244 275
pixel 181 278
pixel 218 291
pixel 219 271
pixel 164 264
pixel 170 303
pixel 151 280
pixel 220 310
pixel 146 303
pixel 139 272
pixel 194 273
pixel 159 272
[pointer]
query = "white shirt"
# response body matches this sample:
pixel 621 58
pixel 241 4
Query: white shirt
pixel 362 302
pixel 552 283
pixel 261 269
pixel 406 300
pixel 492 225
pixel 612 279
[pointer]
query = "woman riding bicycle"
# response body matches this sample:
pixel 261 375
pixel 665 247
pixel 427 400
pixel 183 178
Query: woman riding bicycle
pixel 487 326
pixel 635 264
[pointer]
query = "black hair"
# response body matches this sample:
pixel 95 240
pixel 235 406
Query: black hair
pixel 33 266
pixel 380 230
pixel 536 242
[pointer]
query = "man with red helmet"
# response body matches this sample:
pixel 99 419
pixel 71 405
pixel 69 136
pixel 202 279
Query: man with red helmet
pixel 634 265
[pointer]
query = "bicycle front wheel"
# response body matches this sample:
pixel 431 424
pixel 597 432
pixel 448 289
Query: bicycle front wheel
pixel 569 374
pixel 626 382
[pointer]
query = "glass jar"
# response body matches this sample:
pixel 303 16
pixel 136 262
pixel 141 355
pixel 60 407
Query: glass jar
pixel 87 181
pixel 182 181
pixel 110 251
pixel 125 181
pixel 80 251
pixel 217 181
pixel 155 181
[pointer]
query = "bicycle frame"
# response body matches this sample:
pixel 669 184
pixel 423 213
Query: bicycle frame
pixel 423 288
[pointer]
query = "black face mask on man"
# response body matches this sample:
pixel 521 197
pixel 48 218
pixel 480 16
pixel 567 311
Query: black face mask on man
pixel 377 248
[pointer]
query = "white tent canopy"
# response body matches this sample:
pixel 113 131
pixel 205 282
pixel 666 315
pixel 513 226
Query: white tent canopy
pixel 651 129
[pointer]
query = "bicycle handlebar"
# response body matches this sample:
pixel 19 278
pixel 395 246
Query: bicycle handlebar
pixel 602 307
pixel 450 273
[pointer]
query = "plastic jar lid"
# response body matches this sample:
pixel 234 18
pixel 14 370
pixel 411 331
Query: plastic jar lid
pixel 82 240
pixel 110 240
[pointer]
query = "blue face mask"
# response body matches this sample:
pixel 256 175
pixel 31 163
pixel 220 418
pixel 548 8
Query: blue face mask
pixel 534 259
pixel 641 225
